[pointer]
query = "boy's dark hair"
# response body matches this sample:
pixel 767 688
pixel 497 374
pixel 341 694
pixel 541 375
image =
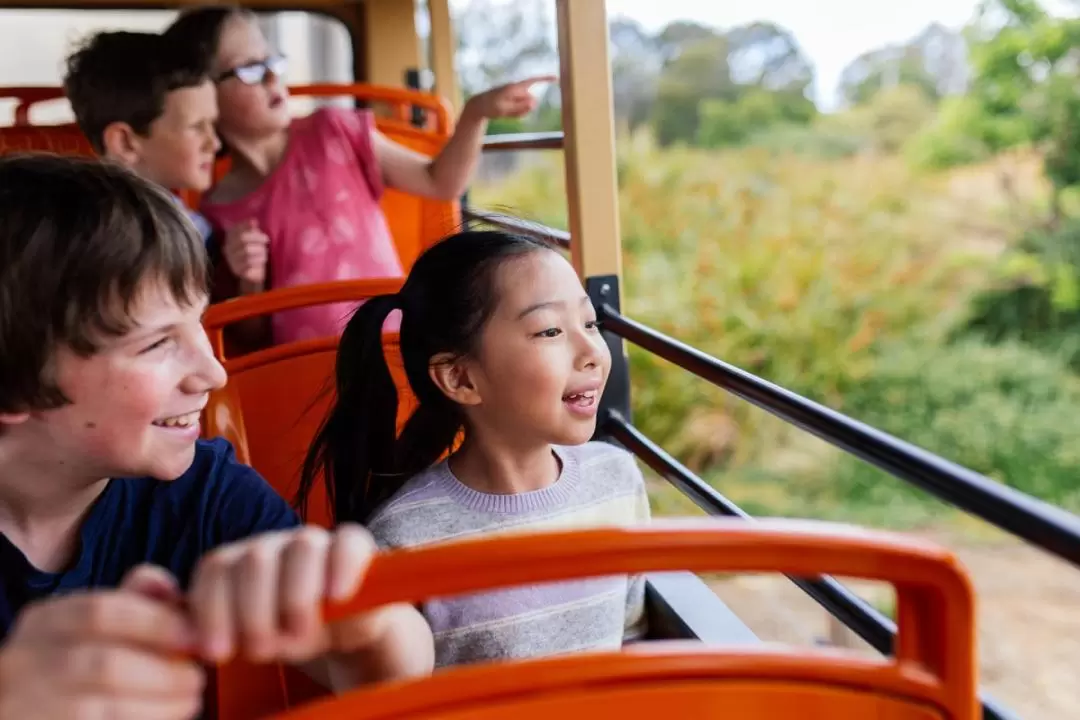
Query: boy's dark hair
pixel 449 296
pixel 124 77
pixel 199 28
pixel 78 240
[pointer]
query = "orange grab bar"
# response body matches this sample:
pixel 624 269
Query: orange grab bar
pixel 400 98
pixel 219 315
pixel 935 602
pixel 28 96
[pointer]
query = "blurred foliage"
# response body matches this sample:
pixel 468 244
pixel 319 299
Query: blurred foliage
pixel 1035 298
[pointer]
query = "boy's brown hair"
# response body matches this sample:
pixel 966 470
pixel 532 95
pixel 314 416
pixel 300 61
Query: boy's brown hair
pixel 121 76
pixel 79 238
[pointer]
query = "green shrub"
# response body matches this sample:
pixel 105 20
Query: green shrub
pixel 818 141
pixel 1007 411
pixel 1036 299
pixel 952 139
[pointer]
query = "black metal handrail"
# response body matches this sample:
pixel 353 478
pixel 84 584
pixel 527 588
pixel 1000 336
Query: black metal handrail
pixel 866 622
pixel 512 224
pixel 1038 522
pixel 507 142
pixel 873 627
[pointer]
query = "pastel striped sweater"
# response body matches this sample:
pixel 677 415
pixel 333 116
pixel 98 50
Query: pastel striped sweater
pixel 599 485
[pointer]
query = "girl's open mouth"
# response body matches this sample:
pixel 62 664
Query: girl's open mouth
pixel 582 403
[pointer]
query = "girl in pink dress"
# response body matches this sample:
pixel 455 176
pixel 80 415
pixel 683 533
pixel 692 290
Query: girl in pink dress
pixel 300 203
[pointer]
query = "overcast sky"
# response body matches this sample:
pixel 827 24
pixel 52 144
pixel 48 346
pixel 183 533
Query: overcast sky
pixel 831 32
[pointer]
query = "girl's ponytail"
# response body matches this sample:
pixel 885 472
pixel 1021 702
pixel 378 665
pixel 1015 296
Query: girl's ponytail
pixel 355 442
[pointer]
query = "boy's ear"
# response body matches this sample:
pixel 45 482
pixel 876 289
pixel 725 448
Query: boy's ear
pixel 121 143
pixel 452 378
pixel 13 418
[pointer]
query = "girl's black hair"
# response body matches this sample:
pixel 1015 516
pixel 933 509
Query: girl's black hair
pixel 199 28
pixel 449 296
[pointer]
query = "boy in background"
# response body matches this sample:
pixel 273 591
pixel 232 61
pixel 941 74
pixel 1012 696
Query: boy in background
pixel 151 106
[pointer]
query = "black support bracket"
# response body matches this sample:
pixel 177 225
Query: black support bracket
pixel 604 290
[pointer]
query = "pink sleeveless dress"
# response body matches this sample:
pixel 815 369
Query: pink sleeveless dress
pixel 320 209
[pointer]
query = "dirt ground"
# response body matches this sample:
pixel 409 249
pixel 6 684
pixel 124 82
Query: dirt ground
pixel 1029 621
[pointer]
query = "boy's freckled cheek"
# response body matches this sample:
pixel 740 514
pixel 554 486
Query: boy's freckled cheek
pixel 90 425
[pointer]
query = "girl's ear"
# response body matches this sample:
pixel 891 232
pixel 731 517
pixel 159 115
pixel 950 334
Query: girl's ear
pixel 452 378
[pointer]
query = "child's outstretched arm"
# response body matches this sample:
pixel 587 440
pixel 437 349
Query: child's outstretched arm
pixel 262 597
pixel 447 176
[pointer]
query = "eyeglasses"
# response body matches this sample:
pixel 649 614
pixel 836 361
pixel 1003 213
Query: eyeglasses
pixel 254 73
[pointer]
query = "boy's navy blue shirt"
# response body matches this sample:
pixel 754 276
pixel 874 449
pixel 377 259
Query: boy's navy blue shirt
pixel 170 524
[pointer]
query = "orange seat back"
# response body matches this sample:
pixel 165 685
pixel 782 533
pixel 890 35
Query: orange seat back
pixel 59 139
pixel 277 397
pixel 416 223
pixel 932 676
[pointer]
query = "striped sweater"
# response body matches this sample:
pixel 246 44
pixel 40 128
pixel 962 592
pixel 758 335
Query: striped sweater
pixel 599 485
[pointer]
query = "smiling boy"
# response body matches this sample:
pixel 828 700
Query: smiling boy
pixel 104 368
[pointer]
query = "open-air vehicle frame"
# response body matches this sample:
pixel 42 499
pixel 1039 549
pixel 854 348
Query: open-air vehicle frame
pixel 275 399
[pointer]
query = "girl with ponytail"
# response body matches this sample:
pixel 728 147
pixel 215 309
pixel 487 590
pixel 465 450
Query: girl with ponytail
pixel 501 348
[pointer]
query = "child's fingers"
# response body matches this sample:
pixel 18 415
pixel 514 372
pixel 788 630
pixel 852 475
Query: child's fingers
pixel 111 616
pixel 36 698
pixel 255 237
pixel 301 591
pixel 114 671
pixel 212 604
pixel 255 584
pixel 141 708
pixel 351 552
pixel 153 582
pixel 534 80
pixel 256 254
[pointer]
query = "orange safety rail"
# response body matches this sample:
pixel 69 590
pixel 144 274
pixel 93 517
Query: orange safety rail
pixel 933 674
pixel 276 397
pixel 415 223
pixel 28 96
pixel 439 115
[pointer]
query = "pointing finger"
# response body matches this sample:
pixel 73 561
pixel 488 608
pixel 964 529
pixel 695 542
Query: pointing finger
pixel 528 82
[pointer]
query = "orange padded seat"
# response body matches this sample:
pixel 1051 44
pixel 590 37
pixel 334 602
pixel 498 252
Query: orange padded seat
pixel 276 397
pixel 932 676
